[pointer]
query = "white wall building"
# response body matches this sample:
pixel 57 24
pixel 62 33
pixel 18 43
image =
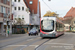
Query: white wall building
pixel 19 11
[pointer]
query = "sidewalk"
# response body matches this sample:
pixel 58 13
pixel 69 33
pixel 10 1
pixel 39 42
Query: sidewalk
pixel 2 37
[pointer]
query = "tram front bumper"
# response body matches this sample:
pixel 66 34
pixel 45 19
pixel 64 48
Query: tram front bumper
pixel 47 35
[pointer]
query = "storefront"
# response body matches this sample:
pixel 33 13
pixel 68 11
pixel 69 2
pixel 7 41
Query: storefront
pixel 19 29
pixel 1 28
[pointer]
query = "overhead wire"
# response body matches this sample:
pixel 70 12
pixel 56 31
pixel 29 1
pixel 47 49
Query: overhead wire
pixel 48 6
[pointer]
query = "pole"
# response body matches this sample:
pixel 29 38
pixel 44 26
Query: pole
pixel 10 17
pixel 7 26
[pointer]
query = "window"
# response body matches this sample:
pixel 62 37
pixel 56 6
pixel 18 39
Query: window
pixel 59 26
pixel 15 16
pixel 14 0
pixel 22 8
pixel 4 1
pixel 31 2
pixel 47 25
pixel 8 10
pixel 18 8
pixel 18 0
pixel 1 9
pixel 22 16
pixel 14 8
pixel 4 10
pixel 18 16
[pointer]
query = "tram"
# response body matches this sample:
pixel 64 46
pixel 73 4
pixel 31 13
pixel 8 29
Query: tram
pixel 51 27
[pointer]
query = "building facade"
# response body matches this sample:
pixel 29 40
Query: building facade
pixel 27 12
pixel 69 20
pixel 5 10
pixel 34 8
pixel 21 12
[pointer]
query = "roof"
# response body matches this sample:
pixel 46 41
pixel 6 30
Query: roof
pixel 33 7
pixel 70 13
pixel 60 18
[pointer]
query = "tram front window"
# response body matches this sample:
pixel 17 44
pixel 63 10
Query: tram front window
pixel 47 25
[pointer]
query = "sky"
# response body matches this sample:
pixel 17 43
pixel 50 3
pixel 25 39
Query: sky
pixel 60 7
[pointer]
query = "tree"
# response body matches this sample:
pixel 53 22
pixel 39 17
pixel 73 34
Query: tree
pixel 49 13
pixel 19 21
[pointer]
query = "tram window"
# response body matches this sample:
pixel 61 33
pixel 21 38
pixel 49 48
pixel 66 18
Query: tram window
pixel 61 28
pixel 41 24
pixel 57 26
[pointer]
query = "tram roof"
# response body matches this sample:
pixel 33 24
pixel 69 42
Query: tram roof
pixel 54 18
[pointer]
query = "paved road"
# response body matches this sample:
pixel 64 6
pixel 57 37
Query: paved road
pixel 64 42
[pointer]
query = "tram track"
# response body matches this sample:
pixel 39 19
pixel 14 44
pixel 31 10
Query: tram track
pixel 34 45
pixel 26 44
pixel 41 44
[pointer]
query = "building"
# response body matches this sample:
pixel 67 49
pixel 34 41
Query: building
pixel 5 10
pixel 28 12
pixel 34 9
pixel 21 12
pixel 69 20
